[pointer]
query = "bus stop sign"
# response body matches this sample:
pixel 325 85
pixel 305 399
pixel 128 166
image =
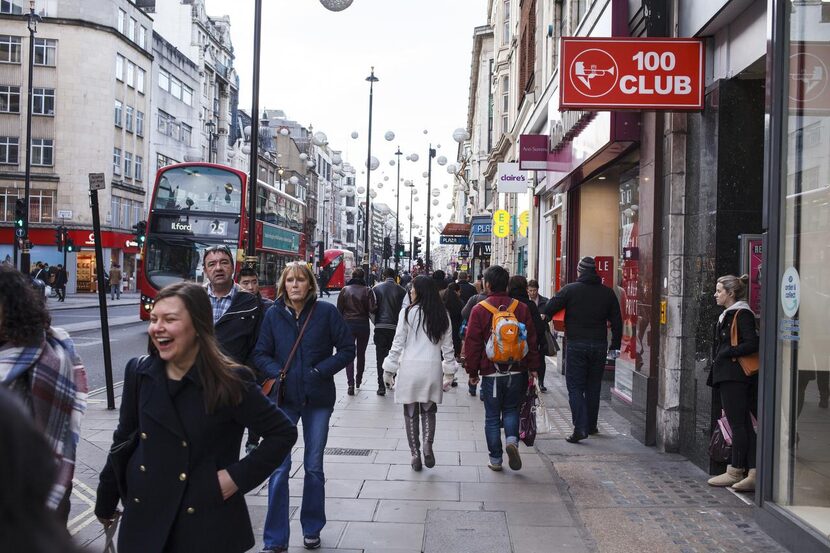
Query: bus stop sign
pixel 631 73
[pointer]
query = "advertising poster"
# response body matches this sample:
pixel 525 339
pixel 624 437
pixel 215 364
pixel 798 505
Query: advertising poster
pixel 756 255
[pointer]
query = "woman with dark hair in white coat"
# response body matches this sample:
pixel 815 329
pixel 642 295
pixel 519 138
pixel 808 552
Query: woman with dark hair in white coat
pixel 423 339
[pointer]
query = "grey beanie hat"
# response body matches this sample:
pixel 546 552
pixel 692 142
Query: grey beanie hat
pixel 586 264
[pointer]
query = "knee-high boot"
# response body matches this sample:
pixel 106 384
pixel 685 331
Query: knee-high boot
pixel 410 421
pixel 428 411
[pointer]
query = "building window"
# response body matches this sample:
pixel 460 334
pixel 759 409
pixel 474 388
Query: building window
pixel 116 161
pixel 41 204
pixel 9 148
pixel 43 150
pixel 165 121
pixel 174 86
pixel 14 7
pixel 139 123
pixel 119 107
pixel 164 79
pixel 122 16
pixel 8 197
pixel 139 168
pixel 119 67
pixel 130 74
pixel 139 79
pixel 9 49
pixel 142 37
pixel 505 103
pixel 187 132
pixel 163 161
pixel 128 165
pixel 129 119
pixel 43 101
pixel 9 99
pixel 505 34
pixel 46 52
pixel 131 29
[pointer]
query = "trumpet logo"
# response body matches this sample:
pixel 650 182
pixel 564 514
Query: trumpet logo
pixel 808 76
pixel 594 73
pixel 586 74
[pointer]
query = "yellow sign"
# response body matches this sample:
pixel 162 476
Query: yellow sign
pixel 664 306
pixel 464 267
pixel 501 223
pixel 524 220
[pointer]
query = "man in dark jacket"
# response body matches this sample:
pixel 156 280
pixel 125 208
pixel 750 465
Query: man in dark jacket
pixel 467 289
pixel 590 307
pixel 502 386
pixel 355 302
pixel 61 278
pixel 389 296
pixel 237 315
pixel 249 281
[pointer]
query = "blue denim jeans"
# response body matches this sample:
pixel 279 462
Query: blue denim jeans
pixel 313 511
pixel 585 364
pixel 502 396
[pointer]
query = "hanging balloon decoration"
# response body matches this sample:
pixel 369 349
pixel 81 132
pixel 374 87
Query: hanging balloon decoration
pixel 435 201
pixel 373 194
pixel 392 162
pixel 425 174
pixel 460 135
pixel 414 157
pixel 374 163
pixel 436 192
pixel 451 169
pixel 354 134
pixel 320 139
pixel 442 160
pixel 336 159
pixel 389 136
pixel 303 156
pixel 361 190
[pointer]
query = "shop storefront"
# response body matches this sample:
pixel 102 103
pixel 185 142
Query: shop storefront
pixel 795 488
pixel 481 228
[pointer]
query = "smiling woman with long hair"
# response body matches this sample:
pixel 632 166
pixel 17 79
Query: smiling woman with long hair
pixel 423 338
pixel 313 330
pixel 184 409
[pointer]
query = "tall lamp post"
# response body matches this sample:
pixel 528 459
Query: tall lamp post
pixel 210 127
pixel 325 226
pixel 411 197
pixel 429 203
pixel 366 244
pixel 31 21
pixel 398 210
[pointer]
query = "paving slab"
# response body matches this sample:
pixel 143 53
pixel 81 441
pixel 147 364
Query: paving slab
pixel 447 491
pixel 394 510
pixel 386 536
pixel 466 531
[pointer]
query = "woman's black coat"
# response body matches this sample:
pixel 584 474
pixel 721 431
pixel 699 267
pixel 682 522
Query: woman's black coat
pixel 725 366
pixel 539 325
pixel 174 501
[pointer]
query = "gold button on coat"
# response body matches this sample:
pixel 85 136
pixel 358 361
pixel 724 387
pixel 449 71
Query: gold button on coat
pixel 190 510
pixel 143 435
pixel 182 477
pixel 142 468
pixel 137 500
pixel 184 443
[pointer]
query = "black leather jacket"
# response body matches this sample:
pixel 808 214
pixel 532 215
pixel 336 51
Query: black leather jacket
pixel 238 329
pixel 389 297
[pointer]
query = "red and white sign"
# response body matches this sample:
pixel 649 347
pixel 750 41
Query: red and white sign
pixel 631 73
pixel 808 76
pixel 605 269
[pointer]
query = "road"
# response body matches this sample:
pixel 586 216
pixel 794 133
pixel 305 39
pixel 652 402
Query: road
pixel 126 342
pixel 70 316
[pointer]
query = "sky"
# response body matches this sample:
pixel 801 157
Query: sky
pixel 314 63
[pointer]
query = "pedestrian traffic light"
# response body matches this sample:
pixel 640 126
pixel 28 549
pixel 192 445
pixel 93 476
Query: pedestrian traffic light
pixel 320 252
pixel 399 251
pixel 387 247
pixel 416 247
pixel 19 213
pixel 69 245
pixel 140 231
pixel 60 236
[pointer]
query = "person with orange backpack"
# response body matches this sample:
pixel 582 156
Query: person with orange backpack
pixel 499 353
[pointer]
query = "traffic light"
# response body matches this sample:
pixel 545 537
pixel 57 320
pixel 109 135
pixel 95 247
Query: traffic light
pixel 416 247
pixel 60 237
pixel 320 252
pixel 69 245
pixel 387 247
pixel 399 251
pixel 140 231
pixel 19 213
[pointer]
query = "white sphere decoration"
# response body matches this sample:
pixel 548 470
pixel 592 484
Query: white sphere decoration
pixel 294 180
pixel 354 134
pixel 392 162
pixel 380 185
pixel 336 5
pixel 416 198
pixel 426 131
pixel 361 190
pixel 385 178
pixel 408 158
pixel 436 192
pixel 320 139
pixel 374 163
pixel 460 135
pixel 449 206
pixel 438 146
pixel 373 194
pixel 451 169
pixel 303 156
pixel 284 131
pixel 406 207
pixel 309 163
pixel 414 157
pixel 390 136
pixel 442 160
pixel 446 186
pixel 336 159
pixel 425 174
pixel 342 193
pixel 246 149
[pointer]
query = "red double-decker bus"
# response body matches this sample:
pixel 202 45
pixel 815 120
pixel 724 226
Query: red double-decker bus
pixel 197 205
pixel 338 264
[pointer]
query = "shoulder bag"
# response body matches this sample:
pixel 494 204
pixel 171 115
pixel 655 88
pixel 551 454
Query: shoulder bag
pixel 268 385
pixel 121 453
pixel 749 363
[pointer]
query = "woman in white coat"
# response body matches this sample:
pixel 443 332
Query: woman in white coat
pixel 422 339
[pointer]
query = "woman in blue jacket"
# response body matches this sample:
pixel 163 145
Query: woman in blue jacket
pixel 309 393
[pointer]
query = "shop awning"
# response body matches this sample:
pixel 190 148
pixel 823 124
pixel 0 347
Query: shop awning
pixel 456 229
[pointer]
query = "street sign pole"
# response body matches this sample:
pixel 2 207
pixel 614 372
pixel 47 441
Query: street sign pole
pixel 96 183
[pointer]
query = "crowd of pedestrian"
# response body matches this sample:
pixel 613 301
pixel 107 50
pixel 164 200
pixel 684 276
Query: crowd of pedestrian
pixel 224 362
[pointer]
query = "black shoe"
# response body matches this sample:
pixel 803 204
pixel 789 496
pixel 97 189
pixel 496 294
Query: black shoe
pixel 471 389
pixel 350 391
pixel 543 388
pixel 454 383
pixel 514 459
pixel 575 438
pixel 381 391
pixel 823 403
pixel 593 431
pixel 311 543
pixel 275 550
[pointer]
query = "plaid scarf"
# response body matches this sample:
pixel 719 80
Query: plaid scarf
pixel 52 381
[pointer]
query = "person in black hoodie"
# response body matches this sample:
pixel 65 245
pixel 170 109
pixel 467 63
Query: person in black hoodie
pixel 517 289
pixel 589 306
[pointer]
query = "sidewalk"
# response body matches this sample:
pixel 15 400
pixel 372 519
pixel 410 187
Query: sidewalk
pixel 608 494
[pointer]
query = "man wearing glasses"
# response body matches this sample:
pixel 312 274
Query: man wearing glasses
pixel 237 314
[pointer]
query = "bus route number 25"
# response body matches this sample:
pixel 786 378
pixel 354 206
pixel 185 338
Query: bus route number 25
pixel 219 227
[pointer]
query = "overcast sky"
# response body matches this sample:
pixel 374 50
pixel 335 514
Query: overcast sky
pixel 314 65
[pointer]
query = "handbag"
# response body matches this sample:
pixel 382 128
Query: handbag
pixel 527 415
pixel 121 453
pixel 749 363
pixel 559 321
pixel 551 346
pixel 720 444
pixel 268 385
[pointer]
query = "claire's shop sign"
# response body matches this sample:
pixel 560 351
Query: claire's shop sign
pixel 632 73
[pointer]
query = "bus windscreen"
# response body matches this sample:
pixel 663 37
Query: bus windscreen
pixel 199 188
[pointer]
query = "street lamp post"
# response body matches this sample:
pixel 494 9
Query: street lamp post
pixel 253 172
pixel 411 197
pixel 325 225
pixel 31 21
pixel 366 244
pixel 210 127
pixel 429 203
pixel 398 210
